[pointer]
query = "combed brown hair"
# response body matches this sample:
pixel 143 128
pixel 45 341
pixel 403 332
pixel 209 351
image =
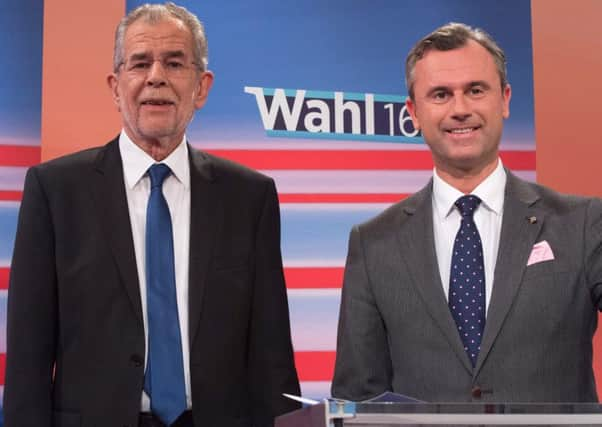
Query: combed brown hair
pixel 453 36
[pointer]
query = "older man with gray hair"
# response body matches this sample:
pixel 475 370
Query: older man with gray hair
pixel 146 284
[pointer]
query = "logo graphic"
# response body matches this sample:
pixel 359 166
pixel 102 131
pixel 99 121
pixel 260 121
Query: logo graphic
pixel 300 113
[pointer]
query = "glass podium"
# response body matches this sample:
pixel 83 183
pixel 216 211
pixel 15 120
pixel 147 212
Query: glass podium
pixel 333 413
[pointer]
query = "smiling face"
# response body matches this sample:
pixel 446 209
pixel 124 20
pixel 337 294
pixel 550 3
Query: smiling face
pixel 460 109
pixel 158 87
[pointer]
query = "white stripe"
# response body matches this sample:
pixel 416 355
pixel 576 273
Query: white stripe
pixel 12 178
pixel 314 316
pixel 356 182
pixel 335 207
pixel 309 145
pixel 309 181
pixel 348 181
pixel 319 144
pixel 313 293
pixel 9 204
pixel 308 262
pixel 315 389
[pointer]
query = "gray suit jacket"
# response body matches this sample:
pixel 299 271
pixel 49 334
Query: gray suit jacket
pixel 396 331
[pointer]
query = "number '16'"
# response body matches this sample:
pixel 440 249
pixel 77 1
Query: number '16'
pixel 404 122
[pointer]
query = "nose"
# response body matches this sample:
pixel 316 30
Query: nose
pixel 156 74
pixel 460 107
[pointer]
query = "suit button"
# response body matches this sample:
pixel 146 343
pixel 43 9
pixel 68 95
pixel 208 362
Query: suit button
pixel 476 392
pixel 136 360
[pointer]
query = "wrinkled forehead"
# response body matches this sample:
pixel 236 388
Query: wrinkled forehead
pixel 165 37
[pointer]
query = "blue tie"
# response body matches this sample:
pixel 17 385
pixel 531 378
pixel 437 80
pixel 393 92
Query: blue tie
pixel 467 279
pixel 164 378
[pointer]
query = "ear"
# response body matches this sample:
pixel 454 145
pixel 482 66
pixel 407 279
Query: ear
pixel 205 83
pixel 411 107
pixel 113 83
pixel 506 94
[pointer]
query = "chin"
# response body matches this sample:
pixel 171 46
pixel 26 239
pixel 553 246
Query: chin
pixel 466 157
pixel 472 163
pixel 158 133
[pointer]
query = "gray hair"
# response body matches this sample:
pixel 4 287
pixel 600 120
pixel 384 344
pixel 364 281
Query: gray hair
pixel 453 36
pixel 154 13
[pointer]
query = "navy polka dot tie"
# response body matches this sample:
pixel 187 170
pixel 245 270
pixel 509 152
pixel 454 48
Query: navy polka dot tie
pixel 467 279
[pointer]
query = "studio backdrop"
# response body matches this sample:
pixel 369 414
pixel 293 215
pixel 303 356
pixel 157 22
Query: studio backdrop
pixel 310 93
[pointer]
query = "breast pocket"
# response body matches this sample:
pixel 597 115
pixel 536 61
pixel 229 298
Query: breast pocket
pixel 539 269
pixel 232 275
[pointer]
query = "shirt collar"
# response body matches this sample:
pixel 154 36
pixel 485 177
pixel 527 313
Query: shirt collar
pixel 136 161
pixel 490 191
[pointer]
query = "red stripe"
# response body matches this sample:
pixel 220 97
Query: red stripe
pixel 19 155
pixel 2 367
pixel 354 159
pixel 341 198
pixel 519 160
pixel 315 365
pixel 313 277
pixel 296 277
pixel 15 196
pixel 4 273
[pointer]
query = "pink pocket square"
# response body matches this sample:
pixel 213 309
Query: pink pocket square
pixel 541 252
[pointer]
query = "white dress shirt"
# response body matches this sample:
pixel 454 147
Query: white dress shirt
pixel 487 217
pixel 176 189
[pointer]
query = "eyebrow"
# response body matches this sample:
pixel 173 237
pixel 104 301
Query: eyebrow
pixel 438 89
pixel 147 55
pixel 480 83
pixel 468 85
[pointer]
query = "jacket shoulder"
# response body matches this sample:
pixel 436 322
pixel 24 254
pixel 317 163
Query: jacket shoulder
pixel 71 162
pixel 228 169
pixel 548 199
pixel 397 214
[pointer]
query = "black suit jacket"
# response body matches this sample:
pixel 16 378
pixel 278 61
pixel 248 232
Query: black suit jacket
pixel 75 335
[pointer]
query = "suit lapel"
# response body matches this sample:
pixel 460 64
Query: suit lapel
pixel 518 235
pixel 108 189
pixel 416 241
pixel 205 221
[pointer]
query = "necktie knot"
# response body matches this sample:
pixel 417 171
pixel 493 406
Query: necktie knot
pixel 157 173
pixel 467 204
